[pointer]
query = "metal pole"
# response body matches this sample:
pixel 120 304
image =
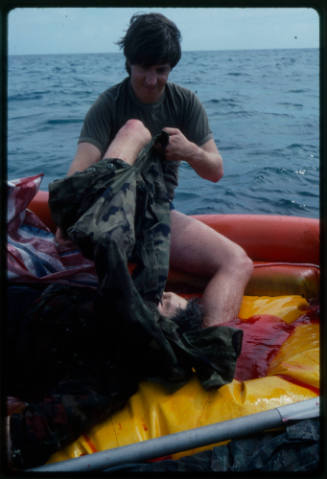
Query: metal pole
pixel 185 440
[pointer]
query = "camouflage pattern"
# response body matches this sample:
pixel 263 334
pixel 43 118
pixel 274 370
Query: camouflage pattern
pixel 75 363
pixel 125 206
pixel 92 346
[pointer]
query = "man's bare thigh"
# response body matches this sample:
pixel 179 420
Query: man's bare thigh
pixel 195 247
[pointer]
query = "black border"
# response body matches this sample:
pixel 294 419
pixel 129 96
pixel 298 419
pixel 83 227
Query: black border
pixel 321 7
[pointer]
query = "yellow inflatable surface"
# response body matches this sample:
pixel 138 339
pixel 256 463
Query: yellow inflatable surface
pixel 292 375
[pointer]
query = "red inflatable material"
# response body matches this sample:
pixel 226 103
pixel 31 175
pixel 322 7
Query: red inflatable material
pixel 264 237
pixel 39 205
pixel 270 237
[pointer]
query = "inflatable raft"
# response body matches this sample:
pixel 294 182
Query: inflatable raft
pixel 279 363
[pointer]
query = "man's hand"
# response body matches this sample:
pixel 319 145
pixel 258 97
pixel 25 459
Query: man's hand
pixel 204 159
pixel 179 147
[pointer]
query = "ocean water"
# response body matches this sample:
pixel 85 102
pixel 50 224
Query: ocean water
pixel 263 109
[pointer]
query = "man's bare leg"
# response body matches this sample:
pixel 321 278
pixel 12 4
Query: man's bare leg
pixel 198 249
pixel 129 141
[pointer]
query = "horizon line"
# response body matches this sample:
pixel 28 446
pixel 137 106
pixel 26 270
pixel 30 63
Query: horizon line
pixel 184 51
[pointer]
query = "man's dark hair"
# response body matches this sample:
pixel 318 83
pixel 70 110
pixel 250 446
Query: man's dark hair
pixel 151 39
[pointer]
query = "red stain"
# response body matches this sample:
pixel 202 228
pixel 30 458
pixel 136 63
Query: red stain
pixel 300 383
pixel 157 459
pixel 90 443
pixel 145 427
pixel 263 335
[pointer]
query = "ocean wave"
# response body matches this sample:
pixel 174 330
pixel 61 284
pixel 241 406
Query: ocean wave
pixel 290 205
pixel 287 104
pixel 313 180
pixel 28 96
pixel 273 170
pixel 238 113
pixel 299 90
pixel 23 116
pixel 301 146
pixel 187 195
pixel 233 147
pixel 227 102
pixel 251 114
pixel 237 74
pixel 309 194
pixel 64 121
pixel 276 114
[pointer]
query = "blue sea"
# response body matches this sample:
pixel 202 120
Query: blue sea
pixel 263 109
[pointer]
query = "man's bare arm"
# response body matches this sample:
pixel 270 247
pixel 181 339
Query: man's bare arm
pixel 86 155
pixel 205 160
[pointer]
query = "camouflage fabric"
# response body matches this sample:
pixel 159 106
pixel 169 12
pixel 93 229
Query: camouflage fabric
pixel 80 352
pixel 115 213
pixel 125 207
pixel 74 365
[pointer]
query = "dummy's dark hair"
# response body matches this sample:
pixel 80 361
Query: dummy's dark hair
pixel 151 39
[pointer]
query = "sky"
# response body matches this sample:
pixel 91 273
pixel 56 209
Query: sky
pixel 95 30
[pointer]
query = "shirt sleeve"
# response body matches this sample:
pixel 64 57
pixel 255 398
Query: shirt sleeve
pixel 97 124
pixel 196 124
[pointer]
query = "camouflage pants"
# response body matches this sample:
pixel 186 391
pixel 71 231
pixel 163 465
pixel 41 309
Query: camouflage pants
pixel 94 346
pixel 126 208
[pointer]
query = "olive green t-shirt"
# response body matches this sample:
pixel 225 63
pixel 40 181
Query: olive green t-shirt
pixel 177 108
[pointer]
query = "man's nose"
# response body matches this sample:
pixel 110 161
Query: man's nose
pixel 150 78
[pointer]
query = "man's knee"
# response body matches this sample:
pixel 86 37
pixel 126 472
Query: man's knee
pixel 238 261
pixel 129 141
pixel 136 127
pixel 133 123
pixel 245 263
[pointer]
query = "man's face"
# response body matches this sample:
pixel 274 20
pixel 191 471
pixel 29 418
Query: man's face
pixel 149 83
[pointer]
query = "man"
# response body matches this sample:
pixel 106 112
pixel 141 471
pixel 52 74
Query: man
pixel 152 48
